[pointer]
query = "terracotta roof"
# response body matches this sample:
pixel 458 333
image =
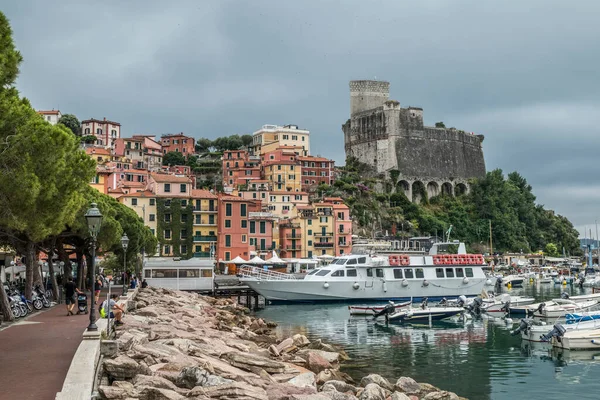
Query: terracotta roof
pixel 170 178
pixel 203 194
pixel 227 197
pixel 145 193
pixel 290 193
pixel 129 184
pixel 316 159
pixel 97 151
pixel 105 121
pixel 53 112
pixel 338 206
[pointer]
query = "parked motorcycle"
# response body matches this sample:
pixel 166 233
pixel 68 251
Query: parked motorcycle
pixel 42 297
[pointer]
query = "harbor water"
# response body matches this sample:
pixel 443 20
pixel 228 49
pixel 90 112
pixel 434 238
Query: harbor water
pixel 478 359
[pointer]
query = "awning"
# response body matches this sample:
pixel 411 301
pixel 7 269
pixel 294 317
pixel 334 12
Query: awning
pixel 256 260
pixel 238 260
pixel 275 259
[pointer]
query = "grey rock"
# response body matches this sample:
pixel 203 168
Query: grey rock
pixel 378 380
pixel 113 393
pixel 190 377
pixel 151 393
pixel 305 379
pixel 285 391
pixel 300 340
pixel 372 392
pixel 408 385
pixel 399 396
pixel 442 395
pixel 339 386
pixel 153 381
pixel 235 390
pixel 121 367
pixel 251 362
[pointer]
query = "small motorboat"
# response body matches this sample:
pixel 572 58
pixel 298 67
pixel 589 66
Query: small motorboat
pixel 562 308
pixel 372 310
pixel 546 278
pixel 425 315
pixel 503 304
pixel 580 298
pixel 578 339
pixel 538 331
pixel 513 280
pixel 577 318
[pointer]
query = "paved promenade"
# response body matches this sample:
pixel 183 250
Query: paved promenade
pixel 35 353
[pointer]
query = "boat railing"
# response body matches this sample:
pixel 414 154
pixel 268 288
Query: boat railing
pixel 261 274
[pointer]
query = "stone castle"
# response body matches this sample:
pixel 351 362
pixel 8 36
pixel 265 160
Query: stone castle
pixel 390 138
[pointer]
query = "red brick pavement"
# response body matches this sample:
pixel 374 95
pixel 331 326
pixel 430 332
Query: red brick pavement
pixel 35 353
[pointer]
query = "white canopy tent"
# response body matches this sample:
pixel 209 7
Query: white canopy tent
pixel 275 259
pixel 238 260
pixel 256 260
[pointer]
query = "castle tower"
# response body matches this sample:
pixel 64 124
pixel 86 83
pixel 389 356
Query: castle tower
pixel 366 95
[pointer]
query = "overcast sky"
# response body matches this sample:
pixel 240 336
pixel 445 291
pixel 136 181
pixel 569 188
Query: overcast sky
pixel 524 74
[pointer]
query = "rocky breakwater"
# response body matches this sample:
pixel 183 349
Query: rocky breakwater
pixel 178 346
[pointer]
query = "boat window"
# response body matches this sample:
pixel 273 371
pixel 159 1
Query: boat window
pixel 351 272
pixel 408 273
pixel 459 273
pixel 379 272
pixel 314 271
pixel 189 273
pixel 164 273
pixel 362 260
pixel 339 261
pixel 397 273
pixel 339 272
pixel 207 273
pixel 449 272
pixel 147 273
pixel 439 272
pixel 469 272
pixel 419 273
pixel 370 272
pixel 351 261
pixel 323 272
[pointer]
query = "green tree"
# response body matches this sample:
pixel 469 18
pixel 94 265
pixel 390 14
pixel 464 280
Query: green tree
pixel 89 139
pixel 246 140
pixel 71 122
pixel 173 158
pixel 440 125
pixel 203 145
pixel 551 250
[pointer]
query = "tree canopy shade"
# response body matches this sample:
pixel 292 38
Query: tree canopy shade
pixel 233 142
pixel 173 158
pixel 70 121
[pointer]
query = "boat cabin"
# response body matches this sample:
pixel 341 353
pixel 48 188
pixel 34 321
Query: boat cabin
pixel 172 273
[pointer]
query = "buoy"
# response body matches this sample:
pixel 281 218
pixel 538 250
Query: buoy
pixel 530 280
pixel 326 285
pixel 509 285
pixel 404 282
pixel 564 282
pixel 356 286
pixel 465 280
pixel 425 283
pixel 488 282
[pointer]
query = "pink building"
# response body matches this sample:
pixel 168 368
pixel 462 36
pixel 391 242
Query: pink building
pixel 261 231
pixel 233 228
pixel 290 239
pixel 240 168
pixel 170 185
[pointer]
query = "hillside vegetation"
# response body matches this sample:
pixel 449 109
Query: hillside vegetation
pixel 518 222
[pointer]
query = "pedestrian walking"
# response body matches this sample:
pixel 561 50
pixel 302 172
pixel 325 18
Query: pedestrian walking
pixel 70 290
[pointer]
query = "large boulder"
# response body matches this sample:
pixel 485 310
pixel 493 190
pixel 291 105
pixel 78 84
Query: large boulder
pixel 122 367
pixel 153 381
pixel 305 379
pixel 372 392
pixel 190 377
pixel 130 338
pixel 408 385
pixel 378 380
pixel 399 396
pixel 235 390
pixel 333 375
pixel 114 392
pixel 316 363
pixel 442 395
pixel 285 345
pixel 339 386
pixel 300 340
pixel 285 391
pixel 152 393
pixel 331 357
pixel 254 363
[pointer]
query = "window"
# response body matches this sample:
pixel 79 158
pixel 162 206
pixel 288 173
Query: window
pixel 243 209
pixel 351 261
pixel 227 223
pixel 323 272
pixel 227 256
pixel 252 226
pixel 134 202
pixel 227 240
pixel 339 272
pixel 310 223
pixel 439 272
pixel 408 273
pixel 167 234
pixel 449 273
pixel 285 137
pixel 310 243
pixel 469 272
pixel 207 273
pixel 460 273
pixel 152 231
pixel 397 273
pixel 244 239
pixel 370 272
pixel 228 212
pixel 309 231
pixel 294 137
pixel 182 188
pixel 184 217
pixel 419 273
pixel 183 203
pixel 151 217
pixel 351 272
pixel 167 217
pixel 164 273
pixel 362 260
pixel 323 220
pixel 167 249
pixel 263 227
pixel 167 188
pixel 379 272
pixel 183 249
pixel 168 203
pixel 244 223
pixel 183 234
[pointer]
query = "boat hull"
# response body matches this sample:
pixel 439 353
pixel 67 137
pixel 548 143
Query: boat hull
pixel 578 340
pixel 294 291
pixel 424 316
pixel 370 310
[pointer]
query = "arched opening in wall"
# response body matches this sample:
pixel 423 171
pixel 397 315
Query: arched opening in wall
pixel 419 193
pixel 403 187
pixel 447 189
pixel 460 189
pixel 433 189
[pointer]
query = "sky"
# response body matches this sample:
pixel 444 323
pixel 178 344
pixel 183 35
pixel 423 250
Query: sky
pixel 524 74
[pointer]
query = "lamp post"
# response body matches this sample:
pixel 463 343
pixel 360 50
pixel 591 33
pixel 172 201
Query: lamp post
pixel 124 243
pixel 94 221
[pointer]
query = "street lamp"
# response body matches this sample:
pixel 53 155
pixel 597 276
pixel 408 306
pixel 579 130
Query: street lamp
pixel 94 221
pixel 124 243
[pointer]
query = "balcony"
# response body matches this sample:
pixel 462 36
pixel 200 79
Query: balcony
pixel 201 238
pixel 323 234
pixel 204 223
pixel 289 225
pixel 344 244
pixel 209 210
pixel 291 247
pixel 293 236
pixel 202 254
pixel 319 245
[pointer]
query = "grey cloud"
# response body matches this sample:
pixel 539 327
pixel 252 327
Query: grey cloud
pixel 522 73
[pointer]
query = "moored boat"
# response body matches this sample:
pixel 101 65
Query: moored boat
pixel 534 331
pixel 561 309
pixel 371 310
pixel 425 315
pixel 504 303
pixel 584 339
pixel 513 280
pixel 358 277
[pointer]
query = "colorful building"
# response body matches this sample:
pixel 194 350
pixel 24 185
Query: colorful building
pixel 178 142
pixel 51 117
pixel 205 223
pixel 261 233
pixel 290 238
pixel 240 169
pixel 281 204
pixel 282 169
pixel 106 132
pixel 144 205
pixel 269 137
pixel 233 228
pixel 316 170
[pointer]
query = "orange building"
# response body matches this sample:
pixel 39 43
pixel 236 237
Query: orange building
pixel 240 168
pixel 179 143
pixel 290 238
pixel 281 168
pixel 316 170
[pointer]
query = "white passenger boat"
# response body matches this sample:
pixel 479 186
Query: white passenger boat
pixel 371 310
pixel 375 278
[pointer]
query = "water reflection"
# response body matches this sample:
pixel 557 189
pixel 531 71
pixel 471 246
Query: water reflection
pixel 478 359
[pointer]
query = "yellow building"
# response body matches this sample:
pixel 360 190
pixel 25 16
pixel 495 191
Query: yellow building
pixel 144 205
pixel 282 136
pixel 282 170
pixel 205 221
pixel 323 229
pixel 306 218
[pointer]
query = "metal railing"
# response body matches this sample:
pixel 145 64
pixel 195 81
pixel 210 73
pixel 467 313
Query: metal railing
pixel 323 244
pixel 201 238
pixel 323 233
pixel 261 274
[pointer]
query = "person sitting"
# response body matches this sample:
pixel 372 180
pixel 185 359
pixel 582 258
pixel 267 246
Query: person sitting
pixel 116 311
pixel 144 284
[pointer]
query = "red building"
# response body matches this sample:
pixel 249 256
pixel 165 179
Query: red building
pixel 233 228
pixel 179 143
pixel 240 168
pixel 316 170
